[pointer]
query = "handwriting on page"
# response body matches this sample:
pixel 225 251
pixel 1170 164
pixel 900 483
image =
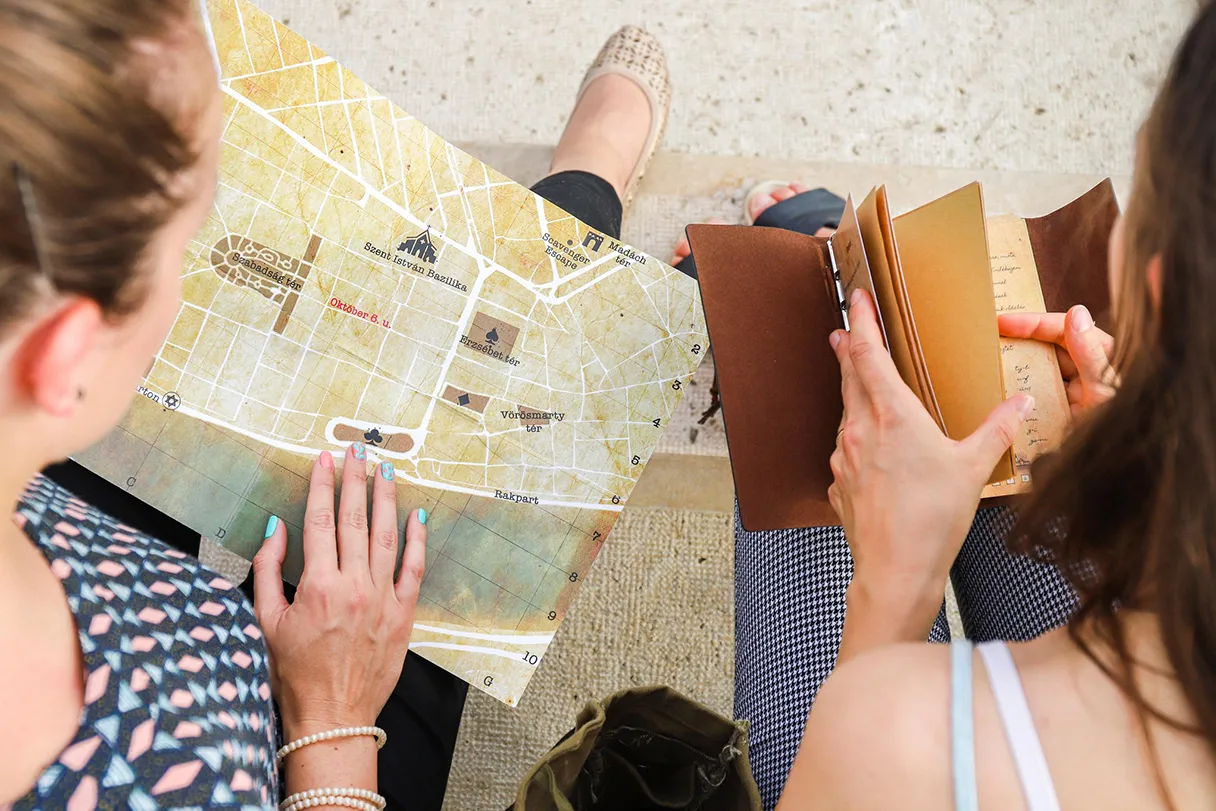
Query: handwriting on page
pixel 1029 367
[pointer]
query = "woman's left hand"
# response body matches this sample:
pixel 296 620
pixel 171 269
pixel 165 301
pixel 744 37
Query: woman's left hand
pixel 905 492
pixel 338 648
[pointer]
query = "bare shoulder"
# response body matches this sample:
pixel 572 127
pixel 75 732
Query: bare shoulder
pixel 878 734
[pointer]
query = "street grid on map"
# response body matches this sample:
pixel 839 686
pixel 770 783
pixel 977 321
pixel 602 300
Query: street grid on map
pixel 362 280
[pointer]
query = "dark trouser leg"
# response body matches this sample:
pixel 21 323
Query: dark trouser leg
pixel 422 719
pixel 587 197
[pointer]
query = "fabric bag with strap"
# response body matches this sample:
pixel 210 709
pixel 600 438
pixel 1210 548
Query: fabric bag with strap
pixel 641 749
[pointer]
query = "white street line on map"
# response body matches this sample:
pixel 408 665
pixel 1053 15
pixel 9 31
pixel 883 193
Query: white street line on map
pixel 505 654
pixel 371 117
pixel 310 452
pixel 465 206
pixel 461 328
pixel 587 286
pixel 443 214
pixel 485 173
pixel 240 18
pixel 409 216
pixel 316 89
pixel 335 103
pixel 543 226
pixel 278 45
pixel 354 142
pixel 513 639
pixel 325 60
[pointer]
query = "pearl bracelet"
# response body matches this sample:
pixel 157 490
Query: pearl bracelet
pixel 368 800
pixel 346 732
pixel 330 800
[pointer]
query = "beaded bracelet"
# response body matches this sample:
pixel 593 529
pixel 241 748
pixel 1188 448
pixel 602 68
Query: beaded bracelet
pixel 346 732
pixel 305 799
pixel 330 800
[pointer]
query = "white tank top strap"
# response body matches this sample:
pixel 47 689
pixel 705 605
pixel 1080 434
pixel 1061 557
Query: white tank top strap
pixel 1037 786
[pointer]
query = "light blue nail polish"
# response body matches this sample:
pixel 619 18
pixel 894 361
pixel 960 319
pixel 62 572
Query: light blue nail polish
pixel 387 471
pixel 272 525
pixel 422 516
pixel 360 451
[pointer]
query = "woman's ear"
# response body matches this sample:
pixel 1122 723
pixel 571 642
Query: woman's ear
pixel 1154 275
pixel 53 357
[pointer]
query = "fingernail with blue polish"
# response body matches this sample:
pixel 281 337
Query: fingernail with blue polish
pixel 360 451
pixel 387 471
pixel 422 516
pixel 272 525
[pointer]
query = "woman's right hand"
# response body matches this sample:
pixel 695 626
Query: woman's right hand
pixel 1084 351
pixel 337 649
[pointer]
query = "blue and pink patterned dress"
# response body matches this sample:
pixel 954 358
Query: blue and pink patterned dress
pixel 177 710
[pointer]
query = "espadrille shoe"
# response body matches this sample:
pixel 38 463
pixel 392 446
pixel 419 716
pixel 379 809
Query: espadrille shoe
pixel 634 53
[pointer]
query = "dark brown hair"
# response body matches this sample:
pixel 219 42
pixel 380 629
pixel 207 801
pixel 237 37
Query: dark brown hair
pixel 96 146
pixel 1127 508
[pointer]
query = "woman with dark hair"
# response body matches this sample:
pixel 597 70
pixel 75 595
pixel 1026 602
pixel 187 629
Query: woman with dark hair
pixel 1117 708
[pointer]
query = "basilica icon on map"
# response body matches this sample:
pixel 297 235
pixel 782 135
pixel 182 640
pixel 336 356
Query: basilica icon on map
pixel 420 247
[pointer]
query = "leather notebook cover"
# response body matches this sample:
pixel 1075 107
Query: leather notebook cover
pixel 1070 248
pixel 770 304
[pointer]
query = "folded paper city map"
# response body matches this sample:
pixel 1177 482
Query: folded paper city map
pixel 360 279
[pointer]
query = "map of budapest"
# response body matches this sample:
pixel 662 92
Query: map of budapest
pixel 360 279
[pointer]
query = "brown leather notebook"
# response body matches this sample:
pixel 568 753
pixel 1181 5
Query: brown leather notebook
pixel 940 274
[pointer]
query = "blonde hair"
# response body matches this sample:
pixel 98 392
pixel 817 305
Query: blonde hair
pixel 90 144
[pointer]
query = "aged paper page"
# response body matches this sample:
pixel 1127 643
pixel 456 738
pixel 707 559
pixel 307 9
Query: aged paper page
pixel 948 281
pixel 1028 366
pixel 851 267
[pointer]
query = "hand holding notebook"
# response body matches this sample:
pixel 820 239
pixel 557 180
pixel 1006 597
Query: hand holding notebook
pixel 940 275
pixel 1083 351
pixel 905 492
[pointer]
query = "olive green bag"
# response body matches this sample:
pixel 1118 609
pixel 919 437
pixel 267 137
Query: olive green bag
pixel 641 749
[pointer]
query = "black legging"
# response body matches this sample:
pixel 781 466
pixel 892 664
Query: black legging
pixel 422 717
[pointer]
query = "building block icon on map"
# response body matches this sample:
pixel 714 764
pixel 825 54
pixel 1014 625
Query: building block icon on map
pixel 420 247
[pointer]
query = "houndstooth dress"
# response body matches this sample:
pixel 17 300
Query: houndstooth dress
pixel 789 615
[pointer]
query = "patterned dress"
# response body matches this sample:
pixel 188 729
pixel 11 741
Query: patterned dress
pixel 177 708
pixel 789 616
